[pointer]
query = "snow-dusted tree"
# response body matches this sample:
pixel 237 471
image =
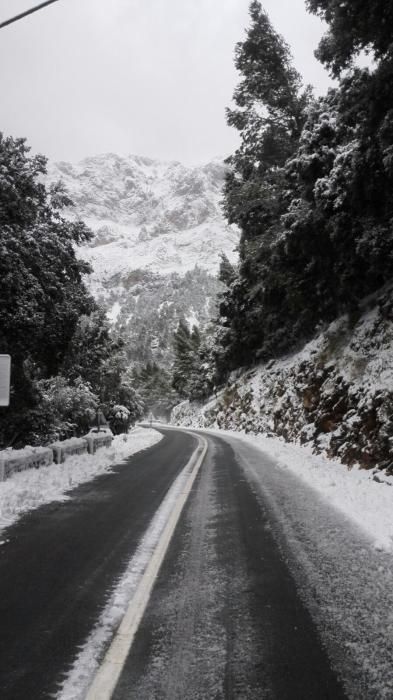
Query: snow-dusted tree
pixel 186 365
pixel 63 409
pixel 227 272
pixel 42 291
pixel 314 203
pixel 154 384
pixel 353 26
pixel 90 346
pixel 269 113
pixel 119 419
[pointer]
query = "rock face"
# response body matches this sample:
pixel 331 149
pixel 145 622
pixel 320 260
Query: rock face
pixel 164 217
pixel 336 394
pixel 159 232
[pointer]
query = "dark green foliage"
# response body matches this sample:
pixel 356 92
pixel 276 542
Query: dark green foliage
pixel 154 384
pixel 353 25
pixel 49 323
pixel 63 409
pixel 269 115
pixel 41 285
pixel 227 273
pixel 151 306
pixel 271 110
pixel 315 207
pixel 186 364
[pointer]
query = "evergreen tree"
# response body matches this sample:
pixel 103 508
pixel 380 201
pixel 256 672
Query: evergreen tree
pixel 186 364
pixel 270 113
pixel 43 295
pixel 316 218
pixel 354 25
pixel 154 384
pixel 226 273
pixel 183 358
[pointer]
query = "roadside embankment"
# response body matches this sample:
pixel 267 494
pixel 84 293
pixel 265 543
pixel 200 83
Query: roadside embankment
pixel 334 395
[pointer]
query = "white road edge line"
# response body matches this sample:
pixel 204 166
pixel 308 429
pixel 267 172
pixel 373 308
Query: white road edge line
pixel 109 672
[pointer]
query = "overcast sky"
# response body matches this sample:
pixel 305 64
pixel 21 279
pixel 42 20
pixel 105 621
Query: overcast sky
pixel 151 77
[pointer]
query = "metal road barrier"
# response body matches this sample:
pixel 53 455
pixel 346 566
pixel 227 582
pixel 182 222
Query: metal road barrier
pixel 13 461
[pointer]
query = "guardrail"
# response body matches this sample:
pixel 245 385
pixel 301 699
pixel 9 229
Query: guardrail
pixel 96 441
pixel 19 460
pixel 65 448
pixel 13 461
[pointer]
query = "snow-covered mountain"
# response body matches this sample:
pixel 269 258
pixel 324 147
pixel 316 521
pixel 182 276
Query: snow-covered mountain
pixel 159 233
pixel 147 214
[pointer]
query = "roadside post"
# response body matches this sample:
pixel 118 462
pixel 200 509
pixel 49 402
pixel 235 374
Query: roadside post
pixel 5 379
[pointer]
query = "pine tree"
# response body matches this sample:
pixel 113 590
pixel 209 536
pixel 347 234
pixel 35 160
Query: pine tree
pixel 270 113
pixel 227 272
pixel 184 352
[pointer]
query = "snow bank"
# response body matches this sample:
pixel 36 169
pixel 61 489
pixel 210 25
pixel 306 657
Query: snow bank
pixel 23 452
pixel 363 496
pixel 343 580
pixel 33 488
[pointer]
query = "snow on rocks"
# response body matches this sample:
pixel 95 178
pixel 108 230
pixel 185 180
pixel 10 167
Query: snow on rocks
pixel 336 394
pixel 35 487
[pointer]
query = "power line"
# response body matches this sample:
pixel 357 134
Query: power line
pixel 27 12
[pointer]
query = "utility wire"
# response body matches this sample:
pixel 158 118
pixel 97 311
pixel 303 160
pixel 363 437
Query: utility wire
pixel 27 12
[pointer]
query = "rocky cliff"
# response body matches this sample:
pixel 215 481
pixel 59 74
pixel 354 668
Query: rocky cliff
pixel 335 394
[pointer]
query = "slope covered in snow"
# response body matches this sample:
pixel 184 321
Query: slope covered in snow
pixel 148 214
pixel 335 394
pixel 159 234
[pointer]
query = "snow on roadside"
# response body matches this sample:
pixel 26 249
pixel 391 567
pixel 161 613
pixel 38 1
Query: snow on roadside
pixel 354 492
pixel 86 664
pixel 35 487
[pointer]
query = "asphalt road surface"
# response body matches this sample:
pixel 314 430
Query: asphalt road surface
pixel 60 562
pixel 225 619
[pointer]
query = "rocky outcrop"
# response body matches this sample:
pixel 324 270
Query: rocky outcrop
pixel 335 394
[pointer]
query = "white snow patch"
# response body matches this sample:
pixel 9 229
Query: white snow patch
pixel 192 319
pixel 34 487
pixel 113 314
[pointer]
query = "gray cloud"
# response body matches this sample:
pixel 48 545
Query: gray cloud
pixel 151 77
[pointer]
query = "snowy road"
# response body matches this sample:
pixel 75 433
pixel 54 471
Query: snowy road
pixel 59 563
pixel 266 591
pixel 225 619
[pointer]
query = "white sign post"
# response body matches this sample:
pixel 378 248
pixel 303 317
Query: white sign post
pixel 5 377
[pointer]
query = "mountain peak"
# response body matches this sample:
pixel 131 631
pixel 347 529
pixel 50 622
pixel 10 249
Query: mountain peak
pixel 147 213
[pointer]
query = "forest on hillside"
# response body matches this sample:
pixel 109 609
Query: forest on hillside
pixel 65 364
pixel 309 187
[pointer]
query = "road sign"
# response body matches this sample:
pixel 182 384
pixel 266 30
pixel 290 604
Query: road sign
pixel 5 375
